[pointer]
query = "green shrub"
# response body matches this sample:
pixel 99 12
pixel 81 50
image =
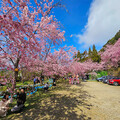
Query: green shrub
pixel 101 73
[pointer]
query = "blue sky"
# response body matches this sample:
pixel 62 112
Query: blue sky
pixel 74 20
pixel 89 21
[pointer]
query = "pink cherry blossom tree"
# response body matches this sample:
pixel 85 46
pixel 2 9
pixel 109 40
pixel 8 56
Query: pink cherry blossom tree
pixel 27 32
pixel 84 67
pixel 111 55
pixel 56 63
pixel 59 61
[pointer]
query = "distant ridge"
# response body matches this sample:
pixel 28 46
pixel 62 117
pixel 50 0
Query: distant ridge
pixel 112 41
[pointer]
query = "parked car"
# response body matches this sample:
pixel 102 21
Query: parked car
pixel 107 78
pixel 101 78
pixel 115 81
pixel 113 77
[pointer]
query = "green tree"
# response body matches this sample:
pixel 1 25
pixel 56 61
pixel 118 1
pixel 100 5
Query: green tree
pixel 95 57
pixel 89 53
pixel 81 56
pixel 78 54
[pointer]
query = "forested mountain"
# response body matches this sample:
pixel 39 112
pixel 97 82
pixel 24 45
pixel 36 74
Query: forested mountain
pixel 112 41
pixel 93 53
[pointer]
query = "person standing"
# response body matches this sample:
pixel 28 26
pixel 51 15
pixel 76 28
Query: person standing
pixel 42 78
pixel 74 80
pixel 77 78
pixel 70 80
pixel 54 81
pixel 35 80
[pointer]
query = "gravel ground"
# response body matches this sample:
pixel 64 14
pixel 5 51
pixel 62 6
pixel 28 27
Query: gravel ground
pixel 87 101
pixel 105 100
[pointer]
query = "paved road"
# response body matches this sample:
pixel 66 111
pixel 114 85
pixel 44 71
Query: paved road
pixel 105 100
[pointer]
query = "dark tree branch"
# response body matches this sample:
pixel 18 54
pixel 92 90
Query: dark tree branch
pixel 8 57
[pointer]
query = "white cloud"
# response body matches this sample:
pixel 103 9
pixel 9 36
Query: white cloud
pixel 103 22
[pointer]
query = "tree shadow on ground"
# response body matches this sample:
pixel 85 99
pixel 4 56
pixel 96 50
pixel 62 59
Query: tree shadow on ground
pixel 50 106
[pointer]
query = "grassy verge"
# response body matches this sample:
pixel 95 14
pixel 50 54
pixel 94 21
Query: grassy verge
pixel 30 82
pixel 63 102
pixel 32 101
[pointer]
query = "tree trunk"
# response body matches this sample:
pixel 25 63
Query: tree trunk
pixel 15 79
pixel 15 74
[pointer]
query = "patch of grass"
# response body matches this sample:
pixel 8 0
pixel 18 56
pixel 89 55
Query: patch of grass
pixel 30 82
pixel 3 88
pixel 52 106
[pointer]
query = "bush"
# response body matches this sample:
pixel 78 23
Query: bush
pixel 102 73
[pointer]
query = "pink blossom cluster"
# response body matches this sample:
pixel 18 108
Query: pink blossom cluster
pixel 83 68
pixel 111 56
pixel 27 33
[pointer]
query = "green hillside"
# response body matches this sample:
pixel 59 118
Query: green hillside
pixel 112 41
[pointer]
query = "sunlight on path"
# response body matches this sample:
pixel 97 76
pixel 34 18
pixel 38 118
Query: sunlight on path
pixel 105 100
pixel 88 101
pixel 62 103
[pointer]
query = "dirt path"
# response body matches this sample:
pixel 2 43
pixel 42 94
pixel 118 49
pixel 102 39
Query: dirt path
pixel 105 100
pixel 88 101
